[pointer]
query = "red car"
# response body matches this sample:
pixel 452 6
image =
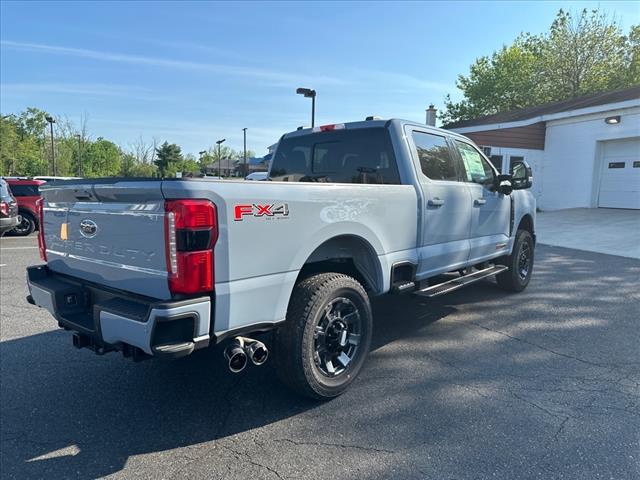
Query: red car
pixel 27 193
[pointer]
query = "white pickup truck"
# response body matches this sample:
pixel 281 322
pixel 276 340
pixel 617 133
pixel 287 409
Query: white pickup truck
pixel 164 267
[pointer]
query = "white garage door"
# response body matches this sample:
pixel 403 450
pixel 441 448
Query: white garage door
pixel 620 179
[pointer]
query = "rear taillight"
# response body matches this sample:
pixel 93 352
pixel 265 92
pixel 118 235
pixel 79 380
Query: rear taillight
pixel 42 246
pixel 191 231
pixel 4 208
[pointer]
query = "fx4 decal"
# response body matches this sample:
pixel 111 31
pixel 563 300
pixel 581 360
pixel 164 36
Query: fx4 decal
pixel 268 211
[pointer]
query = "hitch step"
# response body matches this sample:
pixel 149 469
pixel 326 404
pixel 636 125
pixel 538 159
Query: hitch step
pixel 459 282
pixel 174 350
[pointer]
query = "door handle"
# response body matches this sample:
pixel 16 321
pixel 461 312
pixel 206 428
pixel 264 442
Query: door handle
pixel 435 202
pixel 479 201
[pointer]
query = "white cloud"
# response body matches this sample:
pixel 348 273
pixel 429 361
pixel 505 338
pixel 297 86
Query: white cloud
pixel 90 89
pixel 279 77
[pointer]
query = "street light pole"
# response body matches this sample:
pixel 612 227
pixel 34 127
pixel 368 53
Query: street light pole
pixel 79 137
pixel 244 172
pixel 220 142
pixel 203 167
pixel 313 109
pixel 51 121
pixel 309 93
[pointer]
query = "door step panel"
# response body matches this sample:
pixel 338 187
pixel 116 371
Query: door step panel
pixel 459 282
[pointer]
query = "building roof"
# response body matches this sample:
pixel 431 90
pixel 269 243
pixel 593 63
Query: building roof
pixel 255 160
pixel 521 114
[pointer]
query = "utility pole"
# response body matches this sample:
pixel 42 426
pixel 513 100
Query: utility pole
pixel 79 137
pixel 244 172
pixel 220 142
pixel 51 121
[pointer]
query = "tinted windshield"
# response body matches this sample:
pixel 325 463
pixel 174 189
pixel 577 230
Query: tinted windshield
pixel 362 155
pixel 25 190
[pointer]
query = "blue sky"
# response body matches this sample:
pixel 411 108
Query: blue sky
pixel 191 73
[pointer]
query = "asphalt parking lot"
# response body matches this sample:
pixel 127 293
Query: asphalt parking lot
pixel 478 384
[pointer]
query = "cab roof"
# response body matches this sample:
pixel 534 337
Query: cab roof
pixel 23 181
pixel 376 123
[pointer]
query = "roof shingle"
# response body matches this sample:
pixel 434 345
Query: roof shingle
pixel 603 98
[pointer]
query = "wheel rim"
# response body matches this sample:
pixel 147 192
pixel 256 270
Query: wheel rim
pixel 524 261
pixel 337 337
pixel 23 226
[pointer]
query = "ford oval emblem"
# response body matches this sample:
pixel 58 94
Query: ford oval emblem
pixel 88 228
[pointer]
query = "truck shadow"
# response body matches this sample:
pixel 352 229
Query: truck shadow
pixel 70 414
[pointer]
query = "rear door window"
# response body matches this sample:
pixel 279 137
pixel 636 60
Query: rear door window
pixel 435 157
pixel 340 156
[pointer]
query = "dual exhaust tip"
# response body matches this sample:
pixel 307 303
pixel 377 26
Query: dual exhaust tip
pixel 243 349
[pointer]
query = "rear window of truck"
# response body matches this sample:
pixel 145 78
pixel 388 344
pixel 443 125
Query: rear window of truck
pixel 363 155
pixel 24 190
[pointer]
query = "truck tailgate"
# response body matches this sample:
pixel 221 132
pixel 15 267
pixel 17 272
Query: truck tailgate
pixel 110 233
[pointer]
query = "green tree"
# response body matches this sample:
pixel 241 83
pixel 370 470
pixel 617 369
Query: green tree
pixel 128 165
pixel 21 151
pixel 167 156
pixel 102 158
pixel 580 55
pixel 187 165
pixel 32 123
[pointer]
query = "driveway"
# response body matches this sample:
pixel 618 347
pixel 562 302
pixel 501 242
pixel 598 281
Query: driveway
pixel 602 230
pixel 480 384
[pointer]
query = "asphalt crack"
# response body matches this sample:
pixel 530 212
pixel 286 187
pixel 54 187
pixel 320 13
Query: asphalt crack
pixel 541 347
pixel 334 445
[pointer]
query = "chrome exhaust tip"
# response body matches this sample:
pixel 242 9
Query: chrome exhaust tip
pixel 236 357
pixel 257 352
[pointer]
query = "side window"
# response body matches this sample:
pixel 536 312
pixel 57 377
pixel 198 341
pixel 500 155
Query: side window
pixel 477 169
pixel 435 157
pixel 292 163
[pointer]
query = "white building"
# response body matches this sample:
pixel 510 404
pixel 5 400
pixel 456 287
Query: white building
pixel 584 152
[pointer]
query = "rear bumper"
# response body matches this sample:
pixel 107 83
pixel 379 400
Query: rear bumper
pixel 106 320
pixel 8 223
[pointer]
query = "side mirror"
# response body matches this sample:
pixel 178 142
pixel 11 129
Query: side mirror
pixel 504 184
pixel 521 176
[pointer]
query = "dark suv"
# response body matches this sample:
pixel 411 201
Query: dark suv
pixel 9 217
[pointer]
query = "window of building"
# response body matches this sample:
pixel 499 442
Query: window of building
pixel 496 160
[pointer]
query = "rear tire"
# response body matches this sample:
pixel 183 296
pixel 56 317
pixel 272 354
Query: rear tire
pixel 327 335
pixel 520 264
pixel 25 227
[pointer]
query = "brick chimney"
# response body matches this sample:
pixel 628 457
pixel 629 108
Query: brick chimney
pixel 431 116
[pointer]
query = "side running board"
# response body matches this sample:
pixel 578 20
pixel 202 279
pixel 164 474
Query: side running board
pixel 459 282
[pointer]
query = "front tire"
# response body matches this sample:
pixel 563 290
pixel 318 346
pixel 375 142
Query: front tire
pixel 520 264
pixel 25 227
pixel 327 335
